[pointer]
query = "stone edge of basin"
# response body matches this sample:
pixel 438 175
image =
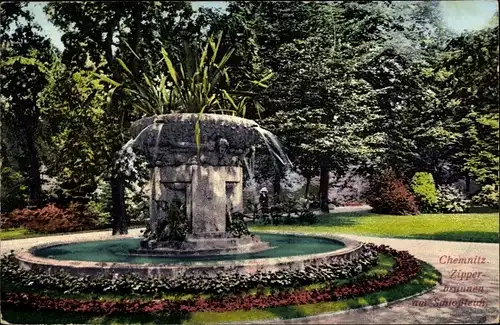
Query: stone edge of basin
pixel 138 125
pixel 250 266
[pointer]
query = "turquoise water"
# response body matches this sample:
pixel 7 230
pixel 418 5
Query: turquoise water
pixel 117 250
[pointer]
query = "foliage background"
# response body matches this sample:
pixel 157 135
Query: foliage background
pixel 357 88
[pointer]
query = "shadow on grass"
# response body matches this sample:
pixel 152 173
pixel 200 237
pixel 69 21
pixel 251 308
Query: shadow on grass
pixel 341 219
pixel 49 317
pixel 287 312
pixel 461 236
pixel 482 210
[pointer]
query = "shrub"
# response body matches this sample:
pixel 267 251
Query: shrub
pixel 305 215
pixel 51 219
pixel 173 227
pixel 14 191
pixel 387 194
pixel 422 185
pixel 236 225
pixel 289 212
pixel 488 196
pixel 314 201
pixel 103 216
pixel 100 203
pixel 15 219
pixel 451 199
pixel 277 214
pixel 137 205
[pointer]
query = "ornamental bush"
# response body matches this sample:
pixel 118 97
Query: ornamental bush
pixel 51 219
pixel 451 200
pixel 424 189
pixel 388 194
pixel 488 196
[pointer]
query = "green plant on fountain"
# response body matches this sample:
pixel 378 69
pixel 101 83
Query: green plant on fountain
pixel 197 84
pixel 236 225
pixel 173 227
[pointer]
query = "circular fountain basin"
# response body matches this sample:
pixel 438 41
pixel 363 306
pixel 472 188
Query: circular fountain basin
pixel 106 257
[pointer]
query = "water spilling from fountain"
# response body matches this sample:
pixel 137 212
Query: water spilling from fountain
pixel 272 141
pixel 205 180
pixel 152 141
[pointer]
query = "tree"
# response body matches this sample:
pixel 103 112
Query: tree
pixel 470 82
pixel 316 104
pixel 73 106
pixel 111 30
pixel 396 45
pixel 26 60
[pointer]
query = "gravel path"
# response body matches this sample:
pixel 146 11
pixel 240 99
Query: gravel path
pixel 483 277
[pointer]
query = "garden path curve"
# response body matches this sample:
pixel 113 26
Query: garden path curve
pixel 419 310
pixel 423 309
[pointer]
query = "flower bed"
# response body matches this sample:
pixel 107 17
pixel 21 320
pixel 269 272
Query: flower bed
pixel 222 283
pixel 405 269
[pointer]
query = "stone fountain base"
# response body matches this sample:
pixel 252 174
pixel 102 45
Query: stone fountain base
pixel 206 245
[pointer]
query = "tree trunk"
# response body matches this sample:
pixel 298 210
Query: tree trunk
pixel 120 220
pixel 324 182
pixel 277 186
pixel 119 213
pixel 35 184
pixel 467 184
pixel 308 184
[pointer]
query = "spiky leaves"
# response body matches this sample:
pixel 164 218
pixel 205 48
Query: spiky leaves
pixel 197 83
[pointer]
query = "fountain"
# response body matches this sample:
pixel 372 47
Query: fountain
pixel 202 187
pixel 196 199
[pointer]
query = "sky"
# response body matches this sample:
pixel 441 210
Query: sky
pixel 458 15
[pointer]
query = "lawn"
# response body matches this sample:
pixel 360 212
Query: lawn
pixel 16 233
pixel 19 233
pixel 470 227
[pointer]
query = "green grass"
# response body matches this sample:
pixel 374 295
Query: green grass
pixel 20 233
pixel 427 279
pixel 16 233
pixel 470 227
